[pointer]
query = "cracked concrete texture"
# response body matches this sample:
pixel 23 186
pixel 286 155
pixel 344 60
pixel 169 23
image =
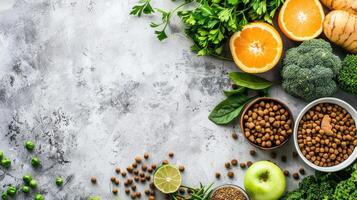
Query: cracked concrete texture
pixel 93 87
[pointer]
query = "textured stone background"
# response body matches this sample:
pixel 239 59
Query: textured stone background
pixel 93 87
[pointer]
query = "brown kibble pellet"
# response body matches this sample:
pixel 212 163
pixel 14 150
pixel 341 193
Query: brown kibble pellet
pixel 112 179
pixel 152 186
pixel 147 192
pixel 146 155
pixel 283 158
pixel 133 195
pixel 136 178
pixel 234 162
pixel 286 173
pixel 133 187
pixel 218 175
pixel 127 191
pixel 134 165
pixel 129 169
pixel 151 198
pixel 302 171
pixel 143 179
pixel 138 194
pixel 165 162
pixel 242 165
pixel 171 154
pixel 93 179
pixel 123 174
pixel 153 166
pixel 227 165
pixel 150 170
pixel 117 170
pixel 235 136
pixel 181 168
pixel 230 174
pixel 295 154
pixel 252 152
pixel 144 167
pixel 115 191
pixel 142 174
pixel 136 172
pixel 138 159
pixel 117 181
pixel 249 163
pixel 148 177
pixel 296 176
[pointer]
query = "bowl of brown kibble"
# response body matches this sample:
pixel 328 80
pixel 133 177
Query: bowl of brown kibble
pixel 229 192
pixel 267 123
pixel 325 134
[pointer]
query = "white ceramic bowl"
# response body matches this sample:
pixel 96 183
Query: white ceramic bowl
pixel 350 110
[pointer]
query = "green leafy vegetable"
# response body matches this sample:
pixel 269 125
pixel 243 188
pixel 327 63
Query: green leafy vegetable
pixel 200 193
pixel 341 185
pixel 347 78
pixel 240 90
pixel 249 81
pixel 211 22
pixel 229 109
pixel 143 6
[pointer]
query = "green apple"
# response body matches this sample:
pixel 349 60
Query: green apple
pixel 264 181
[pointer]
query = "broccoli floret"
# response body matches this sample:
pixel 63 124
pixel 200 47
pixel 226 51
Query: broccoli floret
pixel 347 79
pixel 310 69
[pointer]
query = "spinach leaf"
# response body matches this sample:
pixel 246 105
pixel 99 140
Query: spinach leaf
pixel 240 90
pixel 249 81
pixel 226 111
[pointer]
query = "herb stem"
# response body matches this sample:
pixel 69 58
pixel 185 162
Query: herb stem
pixel 221 57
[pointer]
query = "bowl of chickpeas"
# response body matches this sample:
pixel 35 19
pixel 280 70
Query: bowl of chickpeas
pixel 267 123
pixel 325 134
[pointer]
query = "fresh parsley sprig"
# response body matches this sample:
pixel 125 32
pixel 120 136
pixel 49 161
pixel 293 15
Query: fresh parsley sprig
pixel 200 193
pixel 211 22
pixel 143 6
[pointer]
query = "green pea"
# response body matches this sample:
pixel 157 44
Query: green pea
pixel 11 191
pixel 39 197
pixel 35 162
pixel 33 183
pixel 25 189
pixel 5 162
pixel 4 196
pixel 27 178
pixel 29 145
pixel 1 155
pixel 59 181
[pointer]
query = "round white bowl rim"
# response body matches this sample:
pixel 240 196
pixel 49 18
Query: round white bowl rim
pixel 349 109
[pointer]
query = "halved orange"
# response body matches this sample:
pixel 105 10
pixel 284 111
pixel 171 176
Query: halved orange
pixel 256 48
pixel 301 20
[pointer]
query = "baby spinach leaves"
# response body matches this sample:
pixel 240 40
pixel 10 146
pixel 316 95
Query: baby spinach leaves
pixel 230 108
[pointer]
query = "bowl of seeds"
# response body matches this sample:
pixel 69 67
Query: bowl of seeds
pixel 267 123
pixel 325 134
pixel 229 192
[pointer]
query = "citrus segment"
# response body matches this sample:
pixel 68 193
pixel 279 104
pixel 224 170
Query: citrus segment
pixel 167 179
pixel 301 20
pixel 257 48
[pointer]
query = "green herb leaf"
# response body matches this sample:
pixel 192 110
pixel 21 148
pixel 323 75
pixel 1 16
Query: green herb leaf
pixel 240 90
pixel 229 109
pixel 249 81
pixel 143 6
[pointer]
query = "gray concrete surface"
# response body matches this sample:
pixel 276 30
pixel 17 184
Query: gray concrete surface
pixel 93 87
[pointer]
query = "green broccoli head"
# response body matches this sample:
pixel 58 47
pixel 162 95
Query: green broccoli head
pixel 310 69
pixel 347 78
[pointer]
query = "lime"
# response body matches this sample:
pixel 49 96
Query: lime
pixel 167 179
